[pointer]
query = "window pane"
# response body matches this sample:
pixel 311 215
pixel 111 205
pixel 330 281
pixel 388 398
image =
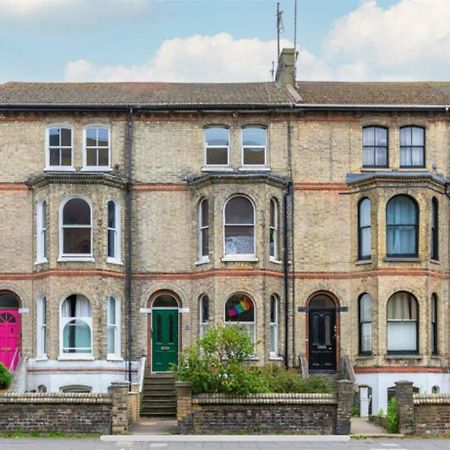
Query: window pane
pixel 273 338
pixel 402 336
pixel 368 156
pixel 239 308
pixel 402 306
pixel 112 311
pixel 418 136
pixel 111 244
pixel 103 137
pixel 368 136
pixel 77 337
pixel 53 137
pixel 380 136
pixel 91 156
pixel 111 340
pixel 205 213
pixel 273 207
pixel 66 157
pixel 253 136
pixel 205 242
pixel 417 156
pixel 111 214
pixel 401 210
pixel 273 309
pixel 239 210
pixel 66 137
pixel 254 156
pixel 218 136
pixel 405 136
pixel 364 213
pixel 366 337
pixel 204 309
pixel 405 156
pixel 91 136
pixel 239 240
pixel 54 156
pixel 365 308
pixel 77 240
pixel 103 157
pixel 380 157
pixel 217 156
pixel 76 212
pixel 401 240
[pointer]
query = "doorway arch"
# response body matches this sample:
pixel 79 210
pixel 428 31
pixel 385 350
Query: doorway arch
pixel 322 326
pixel 10 329
pixel 164 330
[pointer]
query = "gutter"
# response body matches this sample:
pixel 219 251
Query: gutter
pixel 128 237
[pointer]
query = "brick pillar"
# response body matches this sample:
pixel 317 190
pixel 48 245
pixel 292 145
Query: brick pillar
pixel 184 407
pixel 344 406
pixel 405 406
pixel 119 418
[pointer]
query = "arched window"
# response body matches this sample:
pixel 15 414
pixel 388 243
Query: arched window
pixel 274 322
pixel 240 310
pixel 434 324
pixel 375 147
pixel 402 226
pixel 76 233
pixel 434 229
pixel 59 148
pixel 217 141
pixel 41 337
pixel 76 325
pixel 412 147
pixel 203 232
pixel 254 143
pixel 113 328
pixel 97 147
pixel 8 300
pixel 239 227
pixel 41 231
pixel 364 230
pixel 274 241
pixel 203 312
pixel 365 324
pixel 114 233
pixel 402 323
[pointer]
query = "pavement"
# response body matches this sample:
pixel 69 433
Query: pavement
pixel 222 443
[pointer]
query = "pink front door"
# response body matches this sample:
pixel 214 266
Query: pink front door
pixel 9 337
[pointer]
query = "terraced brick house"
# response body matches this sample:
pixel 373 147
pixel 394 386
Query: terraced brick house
pixel 136 215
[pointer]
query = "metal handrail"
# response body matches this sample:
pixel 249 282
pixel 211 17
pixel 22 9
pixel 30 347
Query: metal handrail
pixel 16 355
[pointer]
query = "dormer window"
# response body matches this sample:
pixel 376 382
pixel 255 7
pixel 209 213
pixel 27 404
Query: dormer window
pixel 59 148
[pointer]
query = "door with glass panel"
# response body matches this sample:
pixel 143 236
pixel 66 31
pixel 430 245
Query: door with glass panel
pixel 164 339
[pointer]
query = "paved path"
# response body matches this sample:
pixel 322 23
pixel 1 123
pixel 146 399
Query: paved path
pixel 363 426
pixel 268 443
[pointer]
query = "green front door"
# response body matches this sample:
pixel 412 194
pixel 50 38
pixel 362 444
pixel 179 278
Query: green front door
pixel 164 339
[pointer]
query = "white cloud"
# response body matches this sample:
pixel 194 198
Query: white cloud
pixel 408 40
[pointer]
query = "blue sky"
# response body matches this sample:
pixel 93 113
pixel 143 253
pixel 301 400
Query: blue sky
pixel 221 40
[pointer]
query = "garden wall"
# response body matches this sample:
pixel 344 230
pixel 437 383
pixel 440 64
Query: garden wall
pixel 422 414
pixel 68 413
pixel 265 413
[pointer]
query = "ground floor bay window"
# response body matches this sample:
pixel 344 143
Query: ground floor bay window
pixel 402 324
pixel 240 310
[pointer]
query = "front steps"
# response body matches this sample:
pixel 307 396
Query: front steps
pixel 159 398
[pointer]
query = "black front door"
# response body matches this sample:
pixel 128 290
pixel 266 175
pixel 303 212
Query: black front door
pixel 322 340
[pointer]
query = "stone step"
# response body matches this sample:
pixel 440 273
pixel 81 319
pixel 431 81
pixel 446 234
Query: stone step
pixel 159 395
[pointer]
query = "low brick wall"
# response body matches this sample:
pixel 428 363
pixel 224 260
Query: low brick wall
pixel 68 413
pixel 422 414
pixel 265 413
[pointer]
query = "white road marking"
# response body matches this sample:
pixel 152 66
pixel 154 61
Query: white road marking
pixel 158 444
pixel 390 445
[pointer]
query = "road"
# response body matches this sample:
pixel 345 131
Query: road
pixel 267 443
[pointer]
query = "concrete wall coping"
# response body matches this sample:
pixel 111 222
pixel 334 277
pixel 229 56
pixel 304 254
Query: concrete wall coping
pixel 323 399
pixel 422 399
pixel 40 397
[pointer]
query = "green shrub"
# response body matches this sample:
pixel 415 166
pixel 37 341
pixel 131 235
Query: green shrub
pixel 392 416
pixel 216 363
pixel 280 380
pixel 5 377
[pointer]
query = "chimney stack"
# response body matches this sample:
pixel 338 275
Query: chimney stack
pixel 286 67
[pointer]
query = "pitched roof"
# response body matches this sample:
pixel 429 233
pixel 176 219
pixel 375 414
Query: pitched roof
pixel 374 93
pixel 223 95
pixel 143 94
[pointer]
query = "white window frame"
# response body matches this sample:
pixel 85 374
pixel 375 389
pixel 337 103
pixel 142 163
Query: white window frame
pixel 274 326
pixel 230 323
pixel 41 232
pixel 116 355
pixel 241 256
pixel 96 168
pixel 254 166
pixel 74 256
pixel 63 322
pixel 203 325
pixel 117 258
pixel 202 258
pixel 47 148
pixel 41 328
pixel 275 228
pixel 219 167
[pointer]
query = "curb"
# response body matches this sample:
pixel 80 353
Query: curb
pixel 377 435
pixel 223 438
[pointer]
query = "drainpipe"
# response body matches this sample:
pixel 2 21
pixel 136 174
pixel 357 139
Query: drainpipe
pixel 286 272
pixel 128 236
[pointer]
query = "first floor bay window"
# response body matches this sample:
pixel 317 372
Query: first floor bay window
pixel 76 325
pixel 365 324
pixel 240 311
pixel 402 323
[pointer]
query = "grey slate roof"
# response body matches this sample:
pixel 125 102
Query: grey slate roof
pixel 208 95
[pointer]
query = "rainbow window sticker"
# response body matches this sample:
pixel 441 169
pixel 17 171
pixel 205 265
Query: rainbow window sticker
pixel 243 306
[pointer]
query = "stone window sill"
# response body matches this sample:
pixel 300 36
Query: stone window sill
pixel 217 169
pixel 435 261
pixel 240 258
pixel 275 261
pixel 405 356
pixel 401 259
pixel 360 262
pixel 72 259
pixel 75 358
pixel 202 261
